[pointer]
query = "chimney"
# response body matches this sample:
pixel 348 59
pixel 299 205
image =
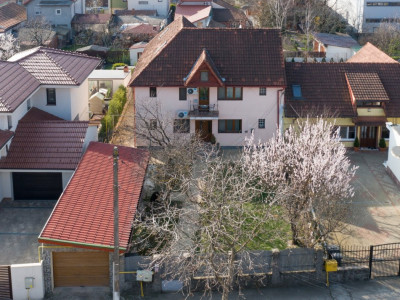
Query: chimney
pixel 126 69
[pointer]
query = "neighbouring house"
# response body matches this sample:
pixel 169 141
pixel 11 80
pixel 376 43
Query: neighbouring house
pixel 134 33
pixel 226 83
pixel 94 50
pixel 28 39
pixel 135 51
pixel 108 81
pixel 215 13
pixel 135 12
pixel 95 22
pixel 362 97
pixel 337 47
pixel 161 6
pixel 138 19
pixel 42 90
pixel 369 53
pixel 393 162
pixel 365 16
pixel 96 6
pixel 12 16
pixel 56 12
pixel 82 220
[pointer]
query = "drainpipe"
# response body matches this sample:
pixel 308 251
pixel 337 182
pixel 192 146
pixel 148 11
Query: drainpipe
pixel 279 94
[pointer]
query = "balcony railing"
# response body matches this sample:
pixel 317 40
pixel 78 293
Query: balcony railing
pixel 204 111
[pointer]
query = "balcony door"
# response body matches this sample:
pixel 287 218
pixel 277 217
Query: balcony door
pixel 368 136
pixel 204 98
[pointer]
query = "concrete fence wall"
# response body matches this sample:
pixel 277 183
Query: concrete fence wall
pixel 19 273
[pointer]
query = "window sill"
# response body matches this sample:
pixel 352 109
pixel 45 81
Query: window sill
pixel 51 104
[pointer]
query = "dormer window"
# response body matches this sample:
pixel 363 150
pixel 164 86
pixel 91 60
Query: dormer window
pixel 296 88
pixel 204 76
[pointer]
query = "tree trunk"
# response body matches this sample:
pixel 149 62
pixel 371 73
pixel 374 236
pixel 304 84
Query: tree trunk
pixel 229 281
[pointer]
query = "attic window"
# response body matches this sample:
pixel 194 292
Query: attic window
pixel 296 88
pixel 204 76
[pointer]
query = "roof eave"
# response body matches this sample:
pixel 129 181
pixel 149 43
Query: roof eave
pixel 66 243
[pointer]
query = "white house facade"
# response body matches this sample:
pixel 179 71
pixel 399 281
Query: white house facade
pixel 161 6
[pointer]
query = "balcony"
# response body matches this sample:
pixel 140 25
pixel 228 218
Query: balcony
pixel 203 112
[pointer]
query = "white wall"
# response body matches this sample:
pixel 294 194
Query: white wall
pixel 394 150
pixel 249 110
pixel 5 185
pixel 80 101
pixel 91 136
pixel 18 274
pixel 66 176
pixel 338 52
pixel 133 55
pixel 161 6
pixel 16 115
pixel 62 108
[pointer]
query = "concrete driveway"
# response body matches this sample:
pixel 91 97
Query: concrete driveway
pixel 374 217
pixel 20 225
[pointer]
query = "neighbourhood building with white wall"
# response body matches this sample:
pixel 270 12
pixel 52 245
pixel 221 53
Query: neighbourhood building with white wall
pixel 161 6
pixel 229 85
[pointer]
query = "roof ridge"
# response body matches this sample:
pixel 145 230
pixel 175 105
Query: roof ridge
pixel 62 69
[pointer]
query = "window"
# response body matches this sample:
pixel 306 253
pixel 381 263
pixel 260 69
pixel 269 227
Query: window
pixel 182 94
pixel 9 121
pixel 58 12
pixel 144 2
pixel 368 103
pixel 383 3
pixel 28 104
pixel 263 91
pixel 385 132
pixel 38 12
pixel 204 76
pixel 153 92
pixel 296 91
pixel 51 96
pixel 347 132
pixel 153 124
pixel 181 125
pixel 261 123
pixel 229 126
pixel 139 54
pixel 230 93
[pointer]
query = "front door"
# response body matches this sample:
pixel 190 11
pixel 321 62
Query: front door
pixel 368 136
pixel 204 129
pixel 204 97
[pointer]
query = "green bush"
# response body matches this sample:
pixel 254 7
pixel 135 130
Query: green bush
pixel 356 142
pixel 114 66
pixel 382 143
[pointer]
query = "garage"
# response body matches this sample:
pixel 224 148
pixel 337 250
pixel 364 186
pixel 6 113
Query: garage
pixel 37 185
pixel 81 269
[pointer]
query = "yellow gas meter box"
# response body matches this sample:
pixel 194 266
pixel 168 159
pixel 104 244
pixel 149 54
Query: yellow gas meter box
pixel 331 265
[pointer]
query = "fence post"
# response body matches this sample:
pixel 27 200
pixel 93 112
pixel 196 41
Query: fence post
pixel 371 256
pixel 275 266
pixel 319 262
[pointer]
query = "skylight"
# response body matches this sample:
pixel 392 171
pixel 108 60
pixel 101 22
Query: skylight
pixel 296 88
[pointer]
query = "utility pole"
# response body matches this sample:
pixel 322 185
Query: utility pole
pixel 116 237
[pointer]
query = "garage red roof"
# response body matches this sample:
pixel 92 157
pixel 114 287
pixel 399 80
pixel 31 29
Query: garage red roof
pixel 45 142
pixel 84 215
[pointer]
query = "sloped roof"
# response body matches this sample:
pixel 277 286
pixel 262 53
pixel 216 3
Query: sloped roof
pixel 142 29
pixel 193 13
pixel 91 19
pixel 83 216
pixel 56 67
pixel 338 40
pixel 324 86
pixel 45 142
pixel 138 45
pixel 370 54
pixel 221 15
pixel 244 57
pixel 367 87
pixel 5 136
pixel 16 84
pixel 11 14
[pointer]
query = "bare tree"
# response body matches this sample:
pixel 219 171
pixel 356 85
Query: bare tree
pixel 8 46
pixel 39 31
pixel 273 13
pixel 386 38
pixel 307 165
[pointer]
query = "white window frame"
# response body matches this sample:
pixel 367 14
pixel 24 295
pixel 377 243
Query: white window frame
pixel 261 91
pixel 347 133
pixel 38 11
pixel 261 122
pixel 58 11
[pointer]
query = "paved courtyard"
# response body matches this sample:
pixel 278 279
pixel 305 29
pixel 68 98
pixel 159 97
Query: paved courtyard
pixel 20 225
pixel 374 217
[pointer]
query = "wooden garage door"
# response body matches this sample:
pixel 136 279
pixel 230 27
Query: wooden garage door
pixel 80 269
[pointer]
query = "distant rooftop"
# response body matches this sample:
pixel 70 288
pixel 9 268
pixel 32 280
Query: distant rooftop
pixel 338 40
pixel 108 74
pixel 371 54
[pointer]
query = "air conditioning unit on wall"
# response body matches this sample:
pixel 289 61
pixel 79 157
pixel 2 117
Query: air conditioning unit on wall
pixel 183 114
pixel 192 91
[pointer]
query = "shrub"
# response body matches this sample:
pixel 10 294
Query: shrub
pixel 114 66
pixel 356 142
pixel 382 143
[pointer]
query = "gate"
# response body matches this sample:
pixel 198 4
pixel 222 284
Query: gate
pixel 5 282
pixel 384 260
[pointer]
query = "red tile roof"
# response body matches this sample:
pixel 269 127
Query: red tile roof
pixel 244 57
pixel 56 67
pixel 91 19
pixel 370 54
pixel 83 216
pixel 11 14
pixel 5 136
pixel 324 86
pixel 142 29
pixel 16 84
pixel 45 142
pixel 193 13
pixel 367 87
